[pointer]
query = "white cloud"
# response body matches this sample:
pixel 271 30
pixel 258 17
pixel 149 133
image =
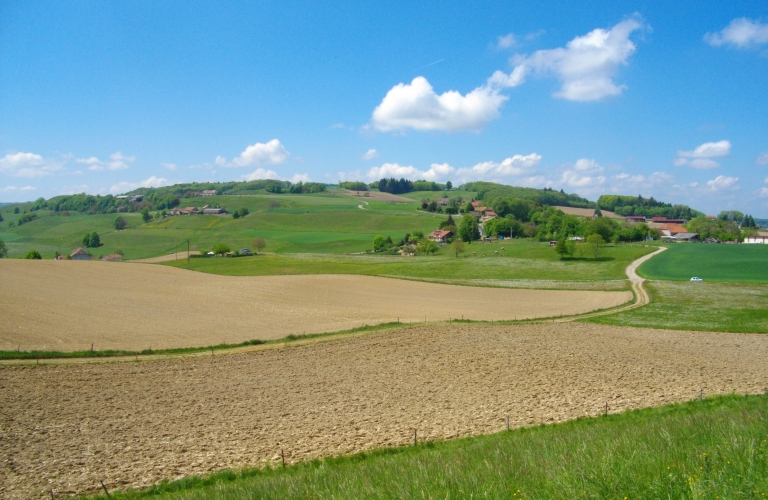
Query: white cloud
pixel 438 171
pixel 506 41
pixel 117 161
pixel 762 158
pixel 124 186
pixel 259 174
pixel 9 189
pixel 742 33
pixel 585 173
pixel 170 166
pixel 394 170
pixel 370 154
pixel 723 183
pixel 300 178
pixel 29 165
pixel 417 106
pixel 586 65
pixel 763 192
pixel 701 157
pixel 272 152
pixel 513 166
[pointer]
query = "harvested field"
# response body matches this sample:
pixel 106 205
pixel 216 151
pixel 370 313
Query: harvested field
pixel 588 212
pixel 68 305
pixel 66 427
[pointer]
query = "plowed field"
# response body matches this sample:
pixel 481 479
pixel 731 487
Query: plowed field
pixel 67 427
pixel 67 305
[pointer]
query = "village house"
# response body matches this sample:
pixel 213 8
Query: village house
pixel 208 192
pixel 635 218
pixel 442 201
pixel 759 240
pixel 214 211
pixel 671 229
pixel 439 235
pixel 80 253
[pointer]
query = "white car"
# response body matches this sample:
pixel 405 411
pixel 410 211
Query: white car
pixel 696 279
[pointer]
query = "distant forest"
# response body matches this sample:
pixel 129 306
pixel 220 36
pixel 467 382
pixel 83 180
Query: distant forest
pixel 648 207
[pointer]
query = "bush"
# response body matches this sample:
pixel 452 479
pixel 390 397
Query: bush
pixel 33 254
pixel 91 240
pixel 379 243
pixel 120 223
pixel 221 249
pixel 3 250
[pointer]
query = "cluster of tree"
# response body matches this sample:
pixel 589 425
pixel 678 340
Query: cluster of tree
pixel 552 224
pixel 306 187
pixel 737 217
pixel 648 207
pixel 3 250
pixel 26 218
pixel 721 229
pixel 240 212
pixel 120 223
pixel 591 247
pixel 395 186
pixel 33 254
pixel 547 196
pixel 91 240
pixel 453 206
pixel 354 185
pixel 414 243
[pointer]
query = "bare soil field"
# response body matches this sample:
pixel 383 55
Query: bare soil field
pixel 588 212
pixel 68 305
pixel 67 427
pixel 376 195
pixel 167 258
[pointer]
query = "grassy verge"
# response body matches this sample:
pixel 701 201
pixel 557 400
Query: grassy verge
pixel 713 263
pixel 521 260
pixel 10 355
pixel 719 307
pixel 714 449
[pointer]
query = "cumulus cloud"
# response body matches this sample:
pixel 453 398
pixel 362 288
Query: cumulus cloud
pixel 507 41
pixel 273 152
pixel 124 186
pixel 763 192
pixel 586 66
pixel 170 166
pixel 762 158
pixel 584 173
pixel 742 33
pixel 259 174
pixel 13 189
pixel 416 105
pixel 723 183
pixel 117 161
pixel 29 165
pixel 370 154
pixel 701 157
pixel 513 166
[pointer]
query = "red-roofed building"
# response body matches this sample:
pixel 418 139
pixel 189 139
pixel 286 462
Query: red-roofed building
pixel 439 235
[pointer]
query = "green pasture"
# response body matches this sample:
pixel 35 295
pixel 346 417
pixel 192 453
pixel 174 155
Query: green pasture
pixel 719 307
pixel 711 262
pixel 521 260
pixel 717 448
pixel 322 223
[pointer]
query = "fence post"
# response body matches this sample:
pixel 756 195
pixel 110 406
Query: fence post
pixel 507 422
pixel 414 437
pixel 105 489
pixel 282 456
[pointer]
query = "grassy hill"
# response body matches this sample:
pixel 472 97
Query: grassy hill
pixel 714 449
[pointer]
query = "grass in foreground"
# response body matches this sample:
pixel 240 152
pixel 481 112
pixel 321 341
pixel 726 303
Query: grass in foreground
pixel 521 260
pixel 717 307
pixel 720 263
pixel 714 449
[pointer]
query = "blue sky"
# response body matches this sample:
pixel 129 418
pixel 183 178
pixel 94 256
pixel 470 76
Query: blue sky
pixel 601 97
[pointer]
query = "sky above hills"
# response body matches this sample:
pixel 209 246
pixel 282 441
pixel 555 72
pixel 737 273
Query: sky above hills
pixel 602 97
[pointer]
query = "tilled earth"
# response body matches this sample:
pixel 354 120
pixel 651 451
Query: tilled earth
pixel 67 427
pixel 72 306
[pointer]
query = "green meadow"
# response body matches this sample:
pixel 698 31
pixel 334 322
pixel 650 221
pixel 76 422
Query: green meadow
pixel 323 223
pixel 711 262
pixel 717 448
pixel 521 260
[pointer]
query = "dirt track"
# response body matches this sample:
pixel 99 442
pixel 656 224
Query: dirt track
pixel 67 427
pixel 67 305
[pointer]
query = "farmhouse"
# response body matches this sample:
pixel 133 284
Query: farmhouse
pixel 760 240
pixel 442 201
pixel 664 220
pixel 439 235
pixel 79 253
pixel 671 229
pixel 208 192
pixel 214 211
pixel 635 218
pixel 678 237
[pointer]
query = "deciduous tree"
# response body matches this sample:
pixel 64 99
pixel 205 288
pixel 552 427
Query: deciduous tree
pixel 468 229
pixel 259 244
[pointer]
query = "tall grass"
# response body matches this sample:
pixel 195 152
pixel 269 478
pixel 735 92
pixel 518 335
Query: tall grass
pixel 714 449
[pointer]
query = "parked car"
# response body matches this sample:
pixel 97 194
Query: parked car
pixel 696 279
pixel 245 251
